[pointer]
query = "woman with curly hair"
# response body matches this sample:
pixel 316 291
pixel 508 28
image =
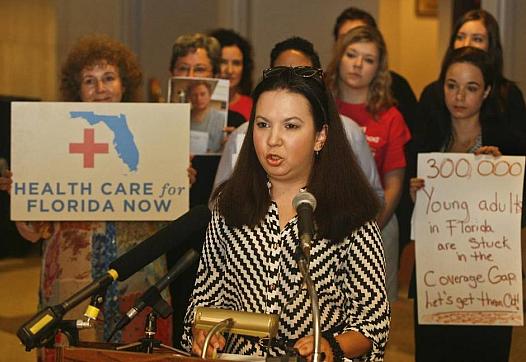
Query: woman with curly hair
pixel 97 69
pixel 98 52
pixel 359 77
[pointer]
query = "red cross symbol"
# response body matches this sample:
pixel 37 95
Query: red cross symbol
pixel 89 148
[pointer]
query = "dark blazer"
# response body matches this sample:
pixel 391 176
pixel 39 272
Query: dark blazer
pixel 405 97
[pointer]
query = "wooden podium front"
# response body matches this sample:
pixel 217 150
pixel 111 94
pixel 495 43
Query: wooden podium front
pixel 100 353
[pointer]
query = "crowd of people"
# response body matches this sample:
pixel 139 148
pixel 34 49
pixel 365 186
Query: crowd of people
pixel 349 135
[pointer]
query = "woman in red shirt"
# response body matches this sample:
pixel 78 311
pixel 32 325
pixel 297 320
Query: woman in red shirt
pixel 359 77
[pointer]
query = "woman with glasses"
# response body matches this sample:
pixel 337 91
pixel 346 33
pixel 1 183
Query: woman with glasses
pixel 359 77
pixel 295 142
pixel 97 69
pixel 236 66
pixel 195 55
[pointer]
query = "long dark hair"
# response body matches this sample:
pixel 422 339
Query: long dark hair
pixel 492 28
pixel 494 51
pixel 227 37
pixel 352 13
pixel 438 131
pixel 345 198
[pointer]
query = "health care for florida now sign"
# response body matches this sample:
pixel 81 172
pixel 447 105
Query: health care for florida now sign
pixel 99 161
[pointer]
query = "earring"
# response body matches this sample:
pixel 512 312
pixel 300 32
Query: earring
pixel 317 152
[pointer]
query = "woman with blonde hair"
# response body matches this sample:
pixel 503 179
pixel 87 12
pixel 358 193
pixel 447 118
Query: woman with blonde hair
pixel 359 77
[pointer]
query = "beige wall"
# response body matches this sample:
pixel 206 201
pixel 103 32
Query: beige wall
pixel 36 34
pixel 412 42
pixel 27 48
pixel 275 20
pixel 517 71
pixel 147 27
pixel 510 15
pixel 160 22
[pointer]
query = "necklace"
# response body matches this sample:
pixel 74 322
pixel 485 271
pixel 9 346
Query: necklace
pixel 468 146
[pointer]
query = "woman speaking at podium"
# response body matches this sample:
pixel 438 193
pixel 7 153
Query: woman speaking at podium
pixel 295 141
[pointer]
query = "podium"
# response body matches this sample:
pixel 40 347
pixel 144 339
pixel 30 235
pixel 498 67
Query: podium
pixel 102 352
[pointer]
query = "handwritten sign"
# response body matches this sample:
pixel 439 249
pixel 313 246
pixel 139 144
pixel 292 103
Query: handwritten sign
pixel 99 161
pixel 467 234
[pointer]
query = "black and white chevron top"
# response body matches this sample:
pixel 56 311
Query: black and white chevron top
pixel 253 270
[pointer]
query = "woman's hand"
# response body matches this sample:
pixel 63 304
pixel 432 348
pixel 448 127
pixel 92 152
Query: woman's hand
pixel 488 150
pixel 393 182
pixel 217 342
pixel 6 180
pixel 305 347
pixel 415 184
pixel 227 132
pixel 192 172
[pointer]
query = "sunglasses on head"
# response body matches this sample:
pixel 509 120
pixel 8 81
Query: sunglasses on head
pixel 301 71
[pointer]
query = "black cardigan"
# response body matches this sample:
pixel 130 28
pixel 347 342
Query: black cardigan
pixel 504 128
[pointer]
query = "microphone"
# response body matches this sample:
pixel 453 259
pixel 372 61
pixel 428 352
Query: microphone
pixel 152 296
pixel 36 331
pixel 177 234
pixel 305 203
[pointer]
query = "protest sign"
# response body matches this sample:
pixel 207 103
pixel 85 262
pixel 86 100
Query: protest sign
pixel 467 238
pixel 99 161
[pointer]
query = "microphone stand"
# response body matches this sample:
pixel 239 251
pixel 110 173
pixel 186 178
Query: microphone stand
pixel 41 329
pixel 149 343
pixel 303 264
pixel 152 298
pixel 70 328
